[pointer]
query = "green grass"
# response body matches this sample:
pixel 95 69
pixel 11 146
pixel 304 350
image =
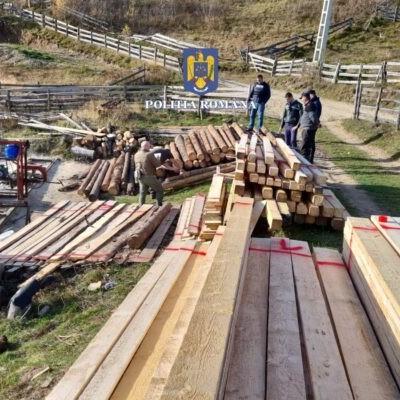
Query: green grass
pixel 56 339
pixel 384 136
pixel 381 185
pixel 35 54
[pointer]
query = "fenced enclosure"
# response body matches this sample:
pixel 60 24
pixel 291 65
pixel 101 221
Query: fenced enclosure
pixel 377 104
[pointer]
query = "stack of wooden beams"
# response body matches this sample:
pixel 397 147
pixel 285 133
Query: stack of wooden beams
pixel 214 208
pixel 115 176
pixel 189 222
pixel 85 232
pixel 266 168
pixel 207 325
pixel 204 147
pixel 371 249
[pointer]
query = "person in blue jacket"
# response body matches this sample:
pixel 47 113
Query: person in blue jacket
pixel 259 95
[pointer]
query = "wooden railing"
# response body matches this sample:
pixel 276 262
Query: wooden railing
pixel 165 42
pixel 391 13
pixel 86 20
pixel 275 67
pixel 138 75
pixel 287 46
pixel 367 74
pixel 377 104
pixel 145 53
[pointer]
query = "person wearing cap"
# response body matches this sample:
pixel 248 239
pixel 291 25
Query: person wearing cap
pixel 259 95
pixel 290 119
pixel 146 165
pixel 309 124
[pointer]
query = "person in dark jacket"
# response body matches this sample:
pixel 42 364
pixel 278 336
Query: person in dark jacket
pixel 317 102
pixel 259 95
pixel 309 124
pixel 290 119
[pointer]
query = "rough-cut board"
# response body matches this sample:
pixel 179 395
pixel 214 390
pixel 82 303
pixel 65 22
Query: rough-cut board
pixel 136 379
pixel 174 343
pixel 49 214
pixel 83 369
pixel 258 208
pixel 155 241
pixel 366 366
pixel 108 374
pixel 390 229
pixel 200 369
pixel 285 375
pixel 246 377
pixel 374 268
pixel 327 372
pixel 195 218
pixel 337 205
pixel 273 215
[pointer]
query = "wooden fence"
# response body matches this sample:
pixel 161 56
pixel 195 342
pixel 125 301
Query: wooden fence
pixel 377 104
pixel 165 42
pixel 275 67
pixel 30 98
pixel 145 53
pixel 86 20
pixel 289 45
pixel 389 13
pixel 138 75
pixel 367 74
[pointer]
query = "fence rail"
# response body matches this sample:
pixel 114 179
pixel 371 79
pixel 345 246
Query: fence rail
pixel 165 42
pixel 289 45
pixel 84 19
pixel 31 98
pixel 389 13
pixel 377 104
pixel 145 53
pixel 275 67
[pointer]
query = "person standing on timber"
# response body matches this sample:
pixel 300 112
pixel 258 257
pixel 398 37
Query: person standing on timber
pixel 309 124
pixel 259 95
pixel 146 165
pixel 290 119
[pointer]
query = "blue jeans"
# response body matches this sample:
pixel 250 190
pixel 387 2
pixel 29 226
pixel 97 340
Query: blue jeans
pixel 290 135
pixel 257 108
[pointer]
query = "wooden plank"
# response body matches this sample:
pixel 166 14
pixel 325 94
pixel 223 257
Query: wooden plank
pixel 229 203
pixel 285 376
pixel 288 154
pixel 108 374
pixel 373 265
pixel 390 229
pixel 368 372
pixel 81 372
pixel 258 209
pixel 155 241
pixel 273 215
pixel 200 368
pixel 268 151
pixel 50 214
pixel 326 368
pixel 246 378
pixel 90 247
pixel 339 208
pixel 137 377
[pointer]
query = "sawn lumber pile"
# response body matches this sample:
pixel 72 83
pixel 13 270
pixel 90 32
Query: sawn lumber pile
pixel 266 168
pixel 239 318
pixel 85 232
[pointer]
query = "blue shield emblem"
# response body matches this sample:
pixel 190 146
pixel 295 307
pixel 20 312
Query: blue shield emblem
pixel 200 70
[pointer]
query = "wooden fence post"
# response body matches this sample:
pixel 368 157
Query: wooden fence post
pixel 8 101
pixel 79 33
pixel 129 49
pixel 336 76
pixel 48 100
pixel 43 21
pixel 105 40
pixel 140 51
pixel 56 25
pixel 395 13
pixel 291 67
pixel 165 94
pixel 155 55
pixel 118 45
pixel 273 71
pixel 91 37
pixel 165 59
pixel 398 120
pixel 66 28
pixel 357 100
pixel 378 104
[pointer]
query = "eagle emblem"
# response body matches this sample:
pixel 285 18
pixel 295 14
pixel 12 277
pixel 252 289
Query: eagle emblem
pixel 200 70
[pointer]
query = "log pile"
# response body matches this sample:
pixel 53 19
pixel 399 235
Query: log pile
pixel 86 232
pixel 115 176
pixel 266 168
pixel 206 321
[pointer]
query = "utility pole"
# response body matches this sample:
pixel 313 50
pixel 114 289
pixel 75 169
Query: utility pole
pixel 323 32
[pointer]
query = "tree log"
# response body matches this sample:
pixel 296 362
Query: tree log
pixel 89 176
pixel 190 148
pixel 94 193
pixel 175 152
pixel 238 129
pixel 107 179
pixel 197 146
pixel 125 171
pixel 114 187
pixel 230 133
pixel 130 189
pixel 204 141
pixel 146 227
pixel 89 186
pixel 180 145
pixel 217 137
pixel 226 139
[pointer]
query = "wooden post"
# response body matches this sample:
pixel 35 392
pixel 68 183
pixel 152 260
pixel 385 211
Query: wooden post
pixel 8 101
pixel 56 25
pixel 79 33
pixel 43 21
pixel 140 51
pixel 291 67
pixel 105 40
pixel 165 94
pixel 48 100
pixel 395 13
pixel 129 49
pixel 336 76
pixel 274 67
pixel 155 55
pixel 66 28
pixel 165 59
pixel 378 103
pixel 118 45
pixel 91 37
pixel 360 72
pixel 358 88
pixel 398 120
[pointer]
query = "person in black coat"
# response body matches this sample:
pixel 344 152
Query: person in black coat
pixel 290 119
pixel 259 95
